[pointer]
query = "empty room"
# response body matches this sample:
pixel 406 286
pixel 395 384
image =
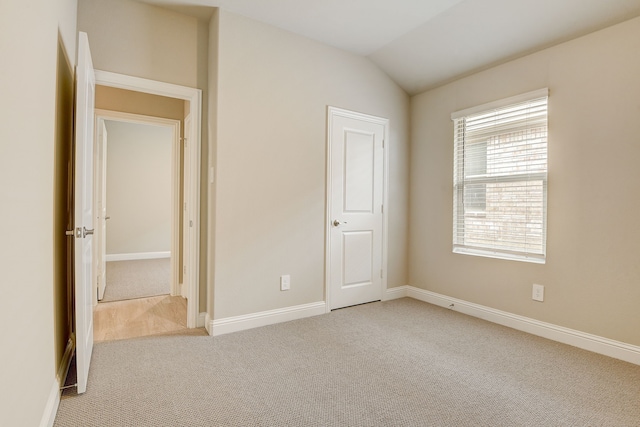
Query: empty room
pixel 376 213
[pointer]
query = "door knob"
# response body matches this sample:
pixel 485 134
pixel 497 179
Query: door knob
pixel 336 223
pixel 86 232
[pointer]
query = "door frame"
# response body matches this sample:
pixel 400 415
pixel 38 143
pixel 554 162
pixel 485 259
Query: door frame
pixel 99 195
pixel 339 112
pixel 194 97
pixel 188 159
pixel 118 116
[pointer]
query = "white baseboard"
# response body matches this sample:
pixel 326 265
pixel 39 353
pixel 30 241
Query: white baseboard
pixel 137 255
pixel 395 293
pixel 50 410
pixel 208 324
pixel 264 318
pixel 605 346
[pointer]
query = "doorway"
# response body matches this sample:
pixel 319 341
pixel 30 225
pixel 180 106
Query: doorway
pixel 186 200
pixel 138 178
pixel 137 199
pixel 357 190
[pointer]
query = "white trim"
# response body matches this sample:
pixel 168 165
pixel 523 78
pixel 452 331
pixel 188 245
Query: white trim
pixel 187 180
pixel 202 320
pixel 264 318
pixel 194 96
pixel 138 84
pixel 395 293
pixel 491 253
pixel 137 255
pixel 192 261
pixel 332 112
pixel 208 324
pixel 51 408
pixel 605 346
pixel 327 216
pixel 523 97
pixel 139 119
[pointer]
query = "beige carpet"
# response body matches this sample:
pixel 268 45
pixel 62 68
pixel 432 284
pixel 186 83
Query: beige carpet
pixel 397 363
pixel 137 279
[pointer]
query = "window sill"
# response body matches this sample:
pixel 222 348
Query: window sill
pixel 487 253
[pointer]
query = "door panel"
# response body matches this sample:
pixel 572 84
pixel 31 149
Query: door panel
pixel 83 216
pixel 357 258
pixel 356 215
pixel 359 154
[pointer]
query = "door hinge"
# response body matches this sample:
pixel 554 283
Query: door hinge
pixel 381 276
pixel 184 269
pixel 381 208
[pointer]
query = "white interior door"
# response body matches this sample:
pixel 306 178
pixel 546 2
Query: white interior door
pixel 101 207
pixel 83 217
pixel 355 208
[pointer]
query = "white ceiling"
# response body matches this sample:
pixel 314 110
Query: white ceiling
pixel 424 43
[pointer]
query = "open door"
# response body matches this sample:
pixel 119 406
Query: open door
pixel 83 213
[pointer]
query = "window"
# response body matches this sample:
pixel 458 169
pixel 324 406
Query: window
pixel 500 179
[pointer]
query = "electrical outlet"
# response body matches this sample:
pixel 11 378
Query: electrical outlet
pixel 285 282
pixel 538 292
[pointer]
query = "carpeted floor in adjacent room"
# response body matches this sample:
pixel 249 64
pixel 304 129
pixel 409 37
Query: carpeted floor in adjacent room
pixel 396 363
pixel 137 279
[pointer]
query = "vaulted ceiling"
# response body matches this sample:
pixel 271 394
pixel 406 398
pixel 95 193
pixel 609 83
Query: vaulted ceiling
pixel 424 43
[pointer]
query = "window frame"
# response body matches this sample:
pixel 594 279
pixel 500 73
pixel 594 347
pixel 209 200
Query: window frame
pixel 459 182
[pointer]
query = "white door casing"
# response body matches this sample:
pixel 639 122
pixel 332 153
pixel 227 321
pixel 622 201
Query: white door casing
pixel 356 228
pixel 186 211
pixel 100 191
pixel 194 97
pixel 83 212
pixel 191 218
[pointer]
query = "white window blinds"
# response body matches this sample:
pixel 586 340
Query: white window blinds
pixel 500 178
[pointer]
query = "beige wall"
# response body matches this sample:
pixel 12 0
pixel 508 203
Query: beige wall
pixel 127 101
pixel 67 11
pixel 140 40
pixel 29 136
pixel 139 188
pixel 207 295
pixel 592 273
pixel 273 91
